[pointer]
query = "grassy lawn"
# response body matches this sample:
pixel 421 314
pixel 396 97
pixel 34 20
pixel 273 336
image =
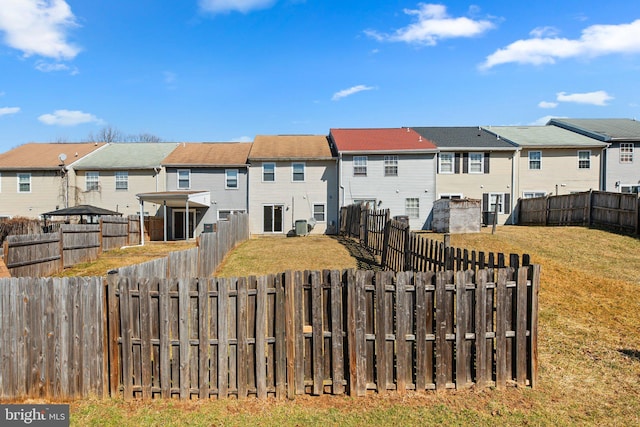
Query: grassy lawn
pixel 589 346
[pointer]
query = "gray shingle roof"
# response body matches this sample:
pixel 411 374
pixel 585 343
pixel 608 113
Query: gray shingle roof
pixel 603 129
pixel 544 136
pixel 463 138
pixel 121 155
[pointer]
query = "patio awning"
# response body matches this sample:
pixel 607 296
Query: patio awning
pixel 177 199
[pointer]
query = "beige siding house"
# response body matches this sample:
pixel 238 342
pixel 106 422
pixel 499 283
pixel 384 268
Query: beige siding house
pixel 474 164
pixel 39 177
pixel 112 177
pixel 292 178
pixel 553 160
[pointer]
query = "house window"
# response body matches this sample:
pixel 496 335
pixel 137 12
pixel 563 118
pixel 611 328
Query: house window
pixel 122 180
pixel 318 212
pixel 24 183
pixel 298 172
pixel 496 199
pixel 584 159
pixel 268 172
pixel 626 152
pixel 390 165
pixel 634 189
pixel 360 166
pixel 535 160
pixel 451 196
pixel 184 179
pixel 231 178
pixel 476 163
pixel 92 181
pixel 446 162
pixel 533 194
pixel 224 215
pixel 412 207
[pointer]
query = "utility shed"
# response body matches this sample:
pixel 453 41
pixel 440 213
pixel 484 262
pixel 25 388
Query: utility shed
pixel 457 216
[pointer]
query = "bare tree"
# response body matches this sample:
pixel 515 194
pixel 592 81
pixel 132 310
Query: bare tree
pixel 113 134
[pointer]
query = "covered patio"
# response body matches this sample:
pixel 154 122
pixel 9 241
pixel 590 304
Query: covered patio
pixel 175 200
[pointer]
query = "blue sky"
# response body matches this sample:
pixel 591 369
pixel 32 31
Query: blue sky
pixel 227 70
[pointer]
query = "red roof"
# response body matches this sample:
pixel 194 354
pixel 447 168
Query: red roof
pixel 382 139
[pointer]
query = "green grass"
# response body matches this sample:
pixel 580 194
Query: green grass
pixel 589 345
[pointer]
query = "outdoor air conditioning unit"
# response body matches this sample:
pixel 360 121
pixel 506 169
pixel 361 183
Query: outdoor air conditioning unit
pixel 301 227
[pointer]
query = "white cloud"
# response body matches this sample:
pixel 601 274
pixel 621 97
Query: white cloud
pixel 48 67
pixel 596 40
pixel 5 111
pixel 540 32
pixel 544 120
pixel 242 139
pixel 347 92
pixel 244 6
pixel 599 97
pixel 38 27
pixel 68 118
pixel 546 104
pixel 433 24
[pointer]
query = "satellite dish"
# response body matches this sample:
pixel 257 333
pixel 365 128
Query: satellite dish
pixel 62 157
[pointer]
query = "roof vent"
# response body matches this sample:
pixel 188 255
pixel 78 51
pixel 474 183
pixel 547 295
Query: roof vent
pixel 408 130
pixel 420 139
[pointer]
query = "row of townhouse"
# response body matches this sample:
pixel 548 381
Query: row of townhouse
pixel 282 179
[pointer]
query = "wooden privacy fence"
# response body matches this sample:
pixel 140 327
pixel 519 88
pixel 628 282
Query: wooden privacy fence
pixel 619 211
pixel 39 255
pixel 322 332
pixel 52 338
pixel 197 262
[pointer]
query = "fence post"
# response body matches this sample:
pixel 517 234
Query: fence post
pixel 61 248
pixel 589 207
pixel 407 249
pixel 385 244
pixel 447 247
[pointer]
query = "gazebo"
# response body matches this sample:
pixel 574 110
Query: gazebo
pixel 81 211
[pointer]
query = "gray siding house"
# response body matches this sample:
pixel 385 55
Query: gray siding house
pixel 621 165
pixel 389 168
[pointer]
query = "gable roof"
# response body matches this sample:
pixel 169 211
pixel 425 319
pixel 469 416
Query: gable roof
pixel 127 155
pixel 467 138
pixel 44 156
pixel 207 154
pixel 380 140
pixel 607 130
pixel 544 137
pixel 290 147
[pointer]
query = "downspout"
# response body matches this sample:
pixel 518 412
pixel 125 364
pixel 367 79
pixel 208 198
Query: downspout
pixel 157 171
pixel 514 166
pixel 340 185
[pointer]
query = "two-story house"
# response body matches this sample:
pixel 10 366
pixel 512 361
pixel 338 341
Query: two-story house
pixel 207 180
pixel 474 164
pixel 39 177
pixel 389 168
pixel 552 160
pixel 292 178
pixel 111 178
pixel 621 167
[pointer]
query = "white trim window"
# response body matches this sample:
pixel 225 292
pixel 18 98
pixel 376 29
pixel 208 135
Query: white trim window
pixel 584 159
pixel 24 183
pixel 634 189
pixel 297 172
pixel 319 212
pixel 476 162
pixel 390 165
pixel 359 165
pixel 412 207
pixel 446 162
pixel 496 198
pixel 535 160
pixel 231 179
pixel 268 172
pixel 626 152
pixel 533 194
pixel 92 181
pixel 122 180
pixel 184 179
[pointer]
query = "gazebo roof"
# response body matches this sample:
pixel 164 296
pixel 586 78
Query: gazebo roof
pixel 82 210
